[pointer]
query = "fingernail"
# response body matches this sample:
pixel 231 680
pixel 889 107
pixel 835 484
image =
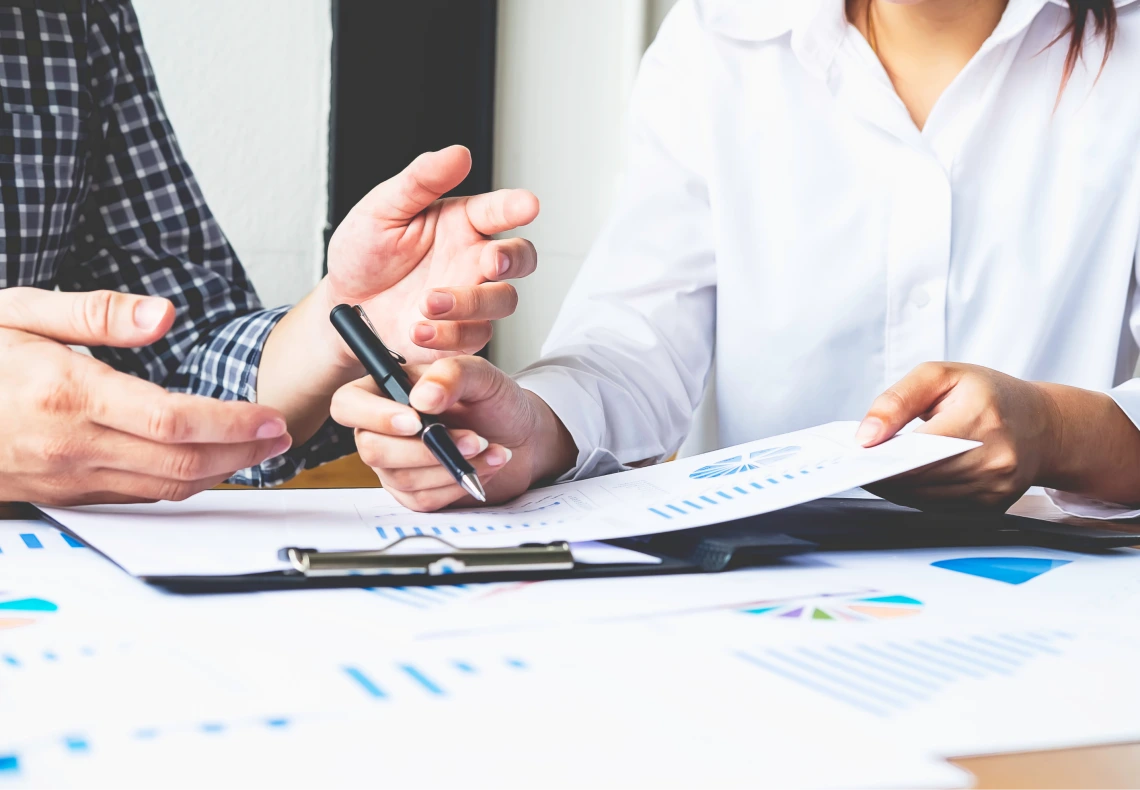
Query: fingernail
pixel 270 429
pixel 149 313
pixel 869 431
pixel 499 456
pixel 471 446
pixel 422 333
pixel 406 424
pixel 439 302
pixel 504 264
pixel 427 395
pixel 283 444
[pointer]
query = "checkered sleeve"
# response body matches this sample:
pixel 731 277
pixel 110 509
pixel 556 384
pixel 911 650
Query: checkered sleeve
pixel 145 228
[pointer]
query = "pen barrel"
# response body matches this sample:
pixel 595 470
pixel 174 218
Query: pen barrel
pixel 372 353
pixel 439 442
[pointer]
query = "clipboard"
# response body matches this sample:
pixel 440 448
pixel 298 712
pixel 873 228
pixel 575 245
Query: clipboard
pixel 823 525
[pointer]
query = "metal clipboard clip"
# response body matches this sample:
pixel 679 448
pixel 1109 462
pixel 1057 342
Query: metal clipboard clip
pixel 431 556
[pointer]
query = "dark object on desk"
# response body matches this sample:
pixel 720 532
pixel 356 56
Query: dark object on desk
pixel 384 367
pixel 864 524
pixel 824 525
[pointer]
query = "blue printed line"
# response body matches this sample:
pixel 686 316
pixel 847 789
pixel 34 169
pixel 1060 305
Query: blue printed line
pixel 773 481
pixel 70 541
pixel 757 486
pixel 679 510
pixel 658 512
pixel 693 505
pixel 383 534
pixel 817 687
pixel 75 744
pixel 31 541
pixel 859 673
pixel 516 663
pixel 365 682
pixel 400 532
pixel 422 679
pixel 726 496
pixel 741 490
pixel 708 499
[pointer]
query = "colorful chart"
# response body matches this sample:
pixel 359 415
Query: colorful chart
pixel 17 612
pixel 736 464
pixel 1011 570
pixel 841 607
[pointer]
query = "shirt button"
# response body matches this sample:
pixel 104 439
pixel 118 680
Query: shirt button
pixel 920 297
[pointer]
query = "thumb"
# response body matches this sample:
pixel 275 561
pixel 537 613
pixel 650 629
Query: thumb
pixel 418 185
pixel 449 381
pixel 94 318
pixel 915 395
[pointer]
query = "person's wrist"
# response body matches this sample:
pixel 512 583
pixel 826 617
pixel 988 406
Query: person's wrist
pixel 1051 460
pixel 554 451
pixel 347 366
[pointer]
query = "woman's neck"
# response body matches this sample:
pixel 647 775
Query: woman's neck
pixel 924 45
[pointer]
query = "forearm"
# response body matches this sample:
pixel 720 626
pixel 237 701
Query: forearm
pixel 303 364
pixel 1095 447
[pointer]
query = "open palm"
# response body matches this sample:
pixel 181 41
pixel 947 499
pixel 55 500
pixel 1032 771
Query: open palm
pixel 426 270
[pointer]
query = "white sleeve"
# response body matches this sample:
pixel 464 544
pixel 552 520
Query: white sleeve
pixel 625 364
pixel 1127 397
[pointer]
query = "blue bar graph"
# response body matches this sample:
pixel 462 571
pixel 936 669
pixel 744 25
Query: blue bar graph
pixel 31 541
pixel 883 678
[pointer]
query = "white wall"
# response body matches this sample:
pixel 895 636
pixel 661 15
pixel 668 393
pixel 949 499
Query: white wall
pixel 246 85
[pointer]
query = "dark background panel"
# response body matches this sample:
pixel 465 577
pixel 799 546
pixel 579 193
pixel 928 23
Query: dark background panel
pixel 408 76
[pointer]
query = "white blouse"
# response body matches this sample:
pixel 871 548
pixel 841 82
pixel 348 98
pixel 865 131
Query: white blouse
pixel 781 208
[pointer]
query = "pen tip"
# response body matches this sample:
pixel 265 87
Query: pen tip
pixel 472 486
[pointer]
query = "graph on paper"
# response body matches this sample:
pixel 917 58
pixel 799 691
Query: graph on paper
pixel 20 538
pixel 884 678
pixel 835 607
pixel 16 612
pixel 438 678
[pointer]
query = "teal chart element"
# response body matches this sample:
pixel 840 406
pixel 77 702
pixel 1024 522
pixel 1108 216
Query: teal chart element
pixel 736 464
pixel 1011 570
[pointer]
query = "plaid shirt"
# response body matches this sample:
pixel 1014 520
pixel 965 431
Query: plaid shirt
pixel 95 194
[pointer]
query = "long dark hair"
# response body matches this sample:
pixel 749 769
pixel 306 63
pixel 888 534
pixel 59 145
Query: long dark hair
pixel 1103 13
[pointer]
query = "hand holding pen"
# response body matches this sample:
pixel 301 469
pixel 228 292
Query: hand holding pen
pixel 476 400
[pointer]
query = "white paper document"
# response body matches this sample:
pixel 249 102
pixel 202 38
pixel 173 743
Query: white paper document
pixel 227 532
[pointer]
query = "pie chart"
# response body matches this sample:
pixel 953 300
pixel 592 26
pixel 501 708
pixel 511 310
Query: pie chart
pixel 17 612
pixel 831 607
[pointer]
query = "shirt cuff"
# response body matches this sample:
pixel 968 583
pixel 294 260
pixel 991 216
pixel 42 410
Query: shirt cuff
pixel 226 366
pixel 581 414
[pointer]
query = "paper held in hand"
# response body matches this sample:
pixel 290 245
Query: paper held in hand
pixel 237 532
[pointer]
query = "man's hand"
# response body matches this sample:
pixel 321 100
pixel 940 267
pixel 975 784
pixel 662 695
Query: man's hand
pixel 511 436
pixel 74 431
pixel 425 269
pixel 1017 422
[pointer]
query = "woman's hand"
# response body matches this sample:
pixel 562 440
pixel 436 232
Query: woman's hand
pixel 512 438
pixel 1018 422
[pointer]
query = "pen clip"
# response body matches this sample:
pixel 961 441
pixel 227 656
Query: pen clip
pixel 368 323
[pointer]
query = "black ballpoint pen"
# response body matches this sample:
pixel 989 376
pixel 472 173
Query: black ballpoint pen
pixel 383 366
